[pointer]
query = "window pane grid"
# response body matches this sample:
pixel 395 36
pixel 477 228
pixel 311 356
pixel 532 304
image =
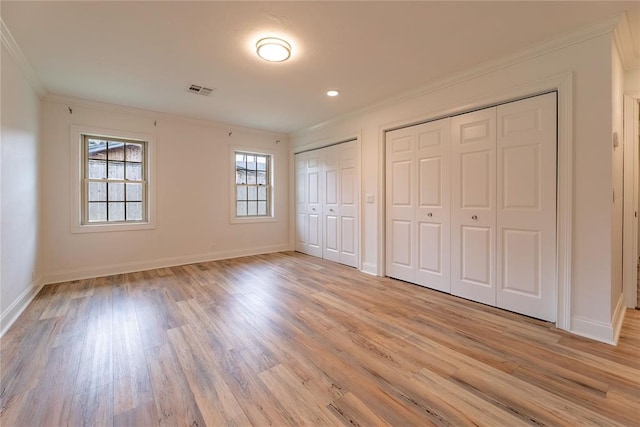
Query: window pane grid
pixel 115 184
pixel 253 186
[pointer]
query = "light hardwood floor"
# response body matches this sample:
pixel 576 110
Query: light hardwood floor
pixel 287 339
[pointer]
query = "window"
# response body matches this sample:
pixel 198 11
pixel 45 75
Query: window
pixel 252 185
pixel 114 184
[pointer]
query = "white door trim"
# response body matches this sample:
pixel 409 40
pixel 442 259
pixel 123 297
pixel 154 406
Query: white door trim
pixel 563 84
pixel 630 224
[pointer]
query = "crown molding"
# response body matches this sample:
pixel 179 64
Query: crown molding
pixel 16 54
pixel 624 42
pixel 599 28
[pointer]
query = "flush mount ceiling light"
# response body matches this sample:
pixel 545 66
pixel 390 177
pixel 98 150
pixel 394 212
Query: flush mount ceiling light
pixel 333 92
pixel 273 49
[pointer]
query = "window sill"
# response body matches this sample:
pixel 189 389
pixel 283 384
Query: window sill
pixel 252 219
pixel 101 228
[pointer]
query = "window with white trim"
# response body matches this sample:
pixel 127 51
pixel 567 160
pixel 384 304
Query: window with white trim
pixel 253 190
pixel 114 184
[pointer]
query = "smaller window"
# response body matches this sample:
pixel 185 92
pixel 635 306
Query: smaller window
pixel 114 185
pixel 253 185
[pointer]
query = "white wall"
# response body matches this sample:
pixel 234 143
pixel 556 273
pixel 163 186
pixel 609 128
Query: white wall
pixel 19 178
pixel 193 171
pixel 589 61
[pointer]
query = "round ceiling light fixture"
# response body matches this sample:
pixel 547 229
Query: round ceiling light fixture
pixel 333 92
pixel 273 49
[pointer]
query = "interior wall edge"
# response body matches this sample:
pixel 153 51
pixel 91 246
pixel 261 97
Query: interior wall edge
pixel 618 318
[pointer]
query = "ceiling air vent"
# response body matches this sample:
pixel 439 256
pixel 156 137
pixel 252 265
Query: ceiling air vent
pixel 200 90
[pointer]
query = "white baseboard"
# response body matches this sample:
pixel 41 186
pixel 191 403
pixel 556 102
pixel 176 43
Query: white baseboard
pixel 130 267
pixel 601 331
pixel 369 268
pixel 588 328
pixel 11 314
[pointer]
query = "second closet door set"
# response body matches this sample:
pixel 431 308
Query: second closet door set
pixel 327 203
pixel 471 205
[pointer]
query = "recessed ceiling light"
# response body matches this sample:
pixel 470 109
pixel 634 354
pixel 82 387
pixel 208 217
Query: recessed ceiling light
pixel 273 49
pixel 333 92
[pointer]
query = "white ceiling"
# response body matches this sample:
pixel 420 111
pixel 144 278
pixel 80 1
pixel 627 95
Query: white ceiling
pixel 145 54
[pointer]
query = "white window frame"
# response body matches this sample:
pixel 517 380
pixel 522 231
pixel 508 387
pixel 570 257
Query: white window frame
pixel 78 207
pixel 271 191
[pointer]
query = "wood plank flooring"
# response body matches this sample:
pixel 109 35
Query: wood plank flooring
pixel 286 339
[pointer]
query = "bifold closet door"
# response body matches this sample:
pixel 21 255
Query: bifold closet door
pixel 327 195
pixel 348 196
pixel 330 209
pixel 478 221
pixel 418 223
pixel 314 190
pixel 526 201
pixel 340 206
pixel 473 216
pixel 401 204
pixel 302 231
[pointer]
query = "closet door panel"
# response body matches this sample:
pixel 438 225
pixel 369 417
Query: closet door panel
pixel 432 215
pixel 331 229
pixel 430 182
pixel 476 179
pixel 349 242
pixel 314 202
pixel 330 208
pixel 401 204
pixel 348 197
pixel 402 253
pixel 526 216
pixel 473 219
pixel 302 230
pixel 476 255
pixel 429 250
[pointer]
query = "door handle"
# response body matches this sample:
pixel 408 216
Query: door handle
pixel 429 214
pixel 475 217
pixel 313 209
pixel 330 210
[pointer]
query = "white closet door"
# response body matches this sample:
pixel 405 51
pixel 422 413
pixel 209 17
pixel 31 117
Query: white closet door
pixel 302 230
pixel 348 197
pixel 418 204
pixel 401 204
pixel 527 206
pixel 432 217
pixel 314 202
pixel 473 218
pixel 330 211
